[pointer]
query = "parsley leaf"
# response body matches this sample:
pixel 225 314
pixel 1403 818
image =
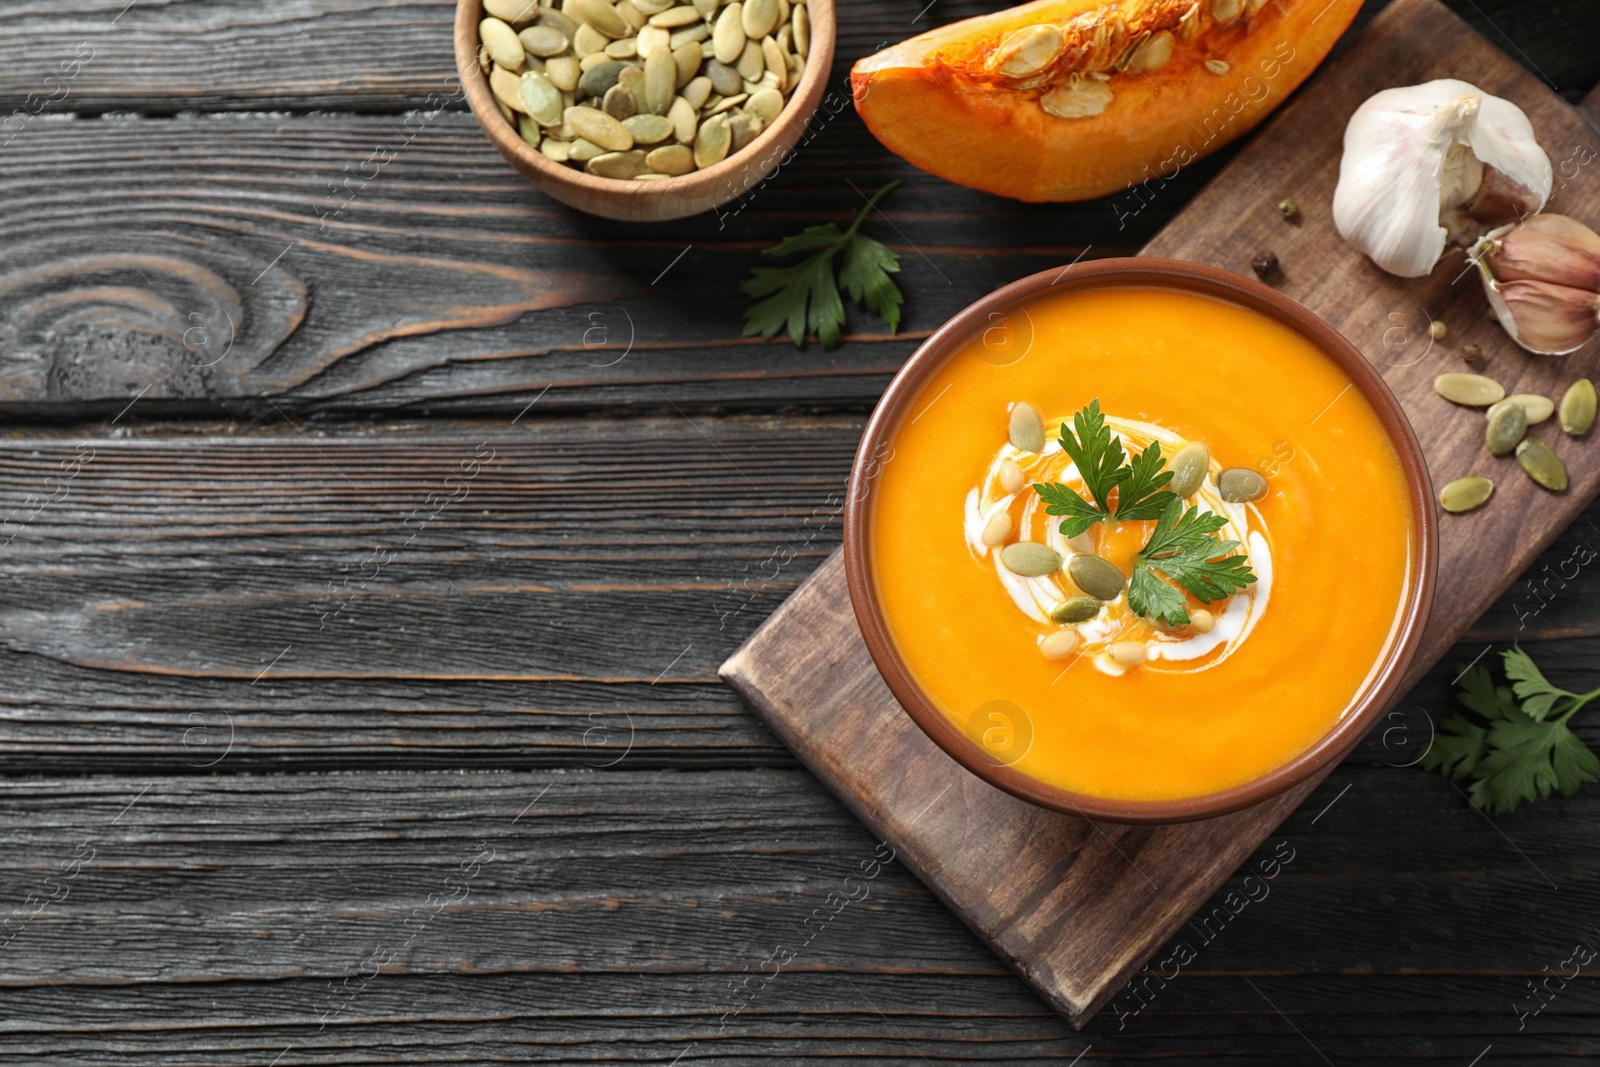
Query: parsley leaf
pixel 804 297
pixel 1185 548
pixel 1512 753
pixel 1141 496
pixel 1098 455
pixel 1060 500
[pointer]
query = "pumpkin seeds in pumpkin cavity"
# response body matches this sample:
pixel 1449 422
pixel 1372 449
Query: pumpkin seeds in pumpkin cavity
pixel 1542 464
pixel 1506 427
pixel 1098 577
pixel 1189 465
pixel 1027 428
pixel 1464 494
pixel 1030 559
pixel 1078 609
pixel 1239 485
pixel 1578 407
pixel 1537 408
pixel 1470 390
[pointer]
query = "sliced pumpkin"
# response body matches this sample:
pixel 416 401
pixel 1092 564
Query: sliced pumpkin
pixel 1073 99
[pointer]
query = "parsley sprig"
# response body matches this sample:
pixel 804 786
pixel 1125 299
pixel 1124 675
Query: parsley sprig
pixel 1513 752
pixel 804 297
pixel 1103 465
pixel 1184 545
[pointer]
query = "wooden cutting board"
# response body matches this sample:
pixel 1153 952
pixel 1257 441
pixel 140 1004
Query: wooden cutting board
pixel 1075 907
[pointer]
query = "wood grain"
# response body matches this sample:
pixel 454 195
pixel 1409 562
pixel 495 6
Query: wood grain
pixel 1074 906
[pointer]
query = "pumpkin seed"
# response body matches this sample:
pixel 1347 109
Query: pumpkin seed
pixel 654 7
pixel 1011 477
pixel 1542 464
pixel 671 159
pixel 687 60
pixel 752 62
pixel 505 48
pixel 1078 609
pixel 586 40
pixel 512 10
pixel 544 41
pixel 601 15
pixel 1471 390
pixel 594 59
pixel 765 104
pixel 507 88
pixel 1202 620
pixel 1026 430
pixel 555 150
pixel 727 104
pixel 632 79
pixel 1030 559
pixel 759 17
pixel 772 58
pixel 1027 51
pixel 707 8
pixel 728 38
pixel 540 98
pixel 632 14
pixel 1077 98
pixel 584 150
pixel 1152 55
pixel 1098 577
pixel 660 82
pixel 648 129
pixel 697 92
pixel 684 123
pixel 1506 427
pixel 1537 408
pixel 529 131
pixel 619 103
pixel 1127 653
pixel 549 16
pixel 618 164
pixel 743 128
pixel 652 38
pixel 1059 645
pixel 711 142
pixel 1464 494
pixel 801 23
pixel 1226 10
pixel 1578 407
pixel 626 48
pixel 676 18
pixel 724 79
pixel 595 125
pixel 1189 465
pixel 692 35
pixel 997 529
pixel 1217 66
pixel 1239 485
pixel 563 72
pixel 597 80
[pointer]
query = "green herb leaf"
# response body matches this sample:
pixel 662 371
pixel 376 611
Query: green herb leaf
pixel 1060 500
pixel 1185 548
pixel 1153 598
pixel 1141 496
pixel 1512 753
pixel 1097 453
pixel 804 297
pixel 1528 682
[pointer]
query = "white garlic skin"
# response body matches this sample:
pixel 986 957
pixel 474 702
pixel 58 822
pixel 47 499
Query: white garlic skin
pixel 1415 155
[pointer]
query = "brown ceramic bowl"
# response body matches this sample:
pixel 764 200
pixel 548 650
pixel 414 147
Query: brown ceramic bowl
pixel 1172 274
pixel 654 201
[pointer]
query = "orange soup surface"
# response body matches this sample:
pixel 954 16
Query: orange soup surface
pixel 1330 543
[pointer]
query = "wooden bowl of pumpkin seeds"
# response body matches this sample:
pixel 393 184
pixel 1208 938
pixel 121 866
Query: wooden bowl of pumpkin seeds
pixel 645 109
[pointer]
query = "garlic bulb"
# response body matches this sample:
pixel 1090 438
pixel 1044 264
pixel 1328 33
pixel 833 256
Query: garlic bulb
pixel 1432 163
pixel 1542 278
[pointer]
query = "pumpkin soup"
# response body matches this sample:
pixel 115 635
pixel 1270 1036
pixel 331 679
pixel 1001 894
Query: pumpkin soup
pixel 1162 533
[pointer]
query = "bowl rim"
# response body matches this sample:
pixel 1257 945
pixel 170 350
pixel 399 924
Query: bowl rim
pixel 798 109
pixel 947 341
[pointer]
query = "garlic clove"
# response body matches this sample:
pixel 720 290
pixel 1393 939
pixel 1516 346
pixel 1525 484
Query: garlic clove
pixel 1545 318
pixel 1547 248
pixel 1431 163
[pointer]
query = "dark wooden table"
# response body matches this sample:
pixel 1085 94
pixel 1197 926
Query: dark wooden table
pixel 373 530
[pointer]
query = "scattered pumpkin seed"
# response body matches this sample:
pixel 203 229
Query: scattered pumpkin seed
pixel 1059 645
pixel 1240 485
pixel 1506 427
pixel 1437 330
pixel 1189 465
pixel 1464 494
pixel 1542 464
pixel 1470 352
pixel 1030 559
pixel 997 529
pixel 1578 407
pixel 1469 390
pixel 1289 210
pixel 1127 653
pixel 1078 609
pixel 1096 576
pixel 1537 408
pixel 1027 428
pixel 1011 477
